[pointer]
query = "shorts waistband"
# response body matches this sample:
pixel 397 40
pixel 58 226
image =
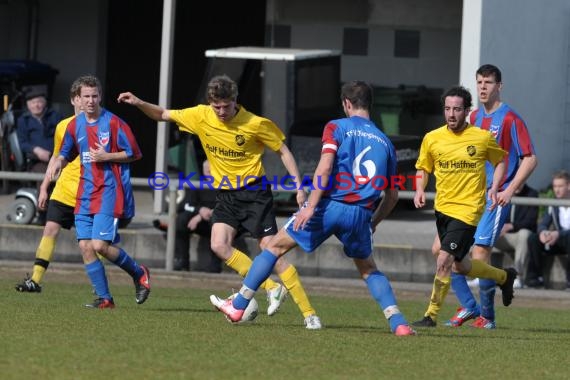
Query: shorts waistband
pixel 248 186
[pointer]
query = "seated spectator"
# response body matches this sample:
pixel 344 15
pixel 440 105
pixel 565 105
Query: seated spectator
pixel 193 216
pixel 35 129
pixel 520 224
pixel 553 234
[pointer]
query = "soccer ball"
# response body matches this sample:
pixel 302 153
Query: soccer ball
pixel 250 312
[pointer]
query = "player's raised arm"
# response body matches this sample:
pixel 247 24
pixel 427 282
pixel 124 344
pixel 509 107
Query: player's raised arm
pixel 153 111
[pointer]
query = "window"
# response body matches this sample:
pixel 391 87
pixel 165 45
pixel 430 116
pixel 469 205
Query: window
pixel 355 41
pixel 407 44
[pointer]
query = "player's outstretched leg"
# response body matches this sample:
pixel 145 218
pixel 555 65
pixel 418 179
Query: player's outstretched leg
pixel 292 282
pixel 260 270
pixel 382 292
pixel 276 293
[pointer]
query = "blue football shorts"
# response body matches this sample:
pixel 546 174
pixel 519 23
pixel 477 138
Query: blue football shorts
pixel 97 227
pixel 491 224
pixel 349 223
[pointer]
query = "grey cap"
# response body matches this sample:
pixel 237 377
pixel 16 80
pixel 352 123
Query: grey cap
pixel 35 93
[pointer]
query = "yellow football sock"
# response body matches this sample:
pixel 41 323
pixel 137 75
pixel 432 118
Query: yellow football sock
pixel 439 292
pixel 44 254
pixel 481 269
pixel 292 282
pixel 240 262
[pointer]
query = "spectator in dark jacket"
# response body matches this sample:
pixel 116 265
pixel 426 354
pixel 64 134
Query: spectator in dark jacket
pixel 553 234
pixel 520 224
pixel 35 129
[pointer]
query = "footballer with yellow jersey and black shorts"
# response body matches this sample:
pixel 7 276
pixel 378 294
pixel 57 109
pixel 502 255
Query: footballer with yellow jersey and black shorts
pixel 234 150
pixel 456 154
pixel 234 141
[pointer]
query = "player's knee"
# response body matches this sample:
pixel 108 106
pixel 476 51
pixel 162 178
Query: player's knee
pixel 87 251
pixel 445 262
pixel 100 247
pixel 481 252
pixel 84 245
pixel 51 229
pixel 221 249
pixel 435 251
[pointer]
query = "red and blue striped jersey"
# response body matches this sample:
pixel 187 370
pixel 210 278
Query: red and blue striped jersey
pixel 104 187
pixel 365 162
pixel 511 134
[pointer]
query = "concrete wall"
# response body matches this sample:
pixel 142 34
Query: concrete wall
pixel 533 54
pixel 470 43
pixel 530 42
pixel 148 246
pixel 321 24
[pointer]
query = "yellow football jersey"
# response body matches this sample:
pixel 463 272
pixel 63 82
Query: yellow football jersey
pixel 458 163
pixel 235 148
pixel 65 190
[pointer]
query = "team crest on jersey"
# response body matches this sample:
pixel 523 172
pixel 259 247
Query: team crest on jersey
pixel 104 138
pixel 494 129
pixel 471 151
pixel 240 140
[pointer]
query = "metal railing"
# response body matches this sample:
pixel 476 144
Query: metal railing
pixel 174 184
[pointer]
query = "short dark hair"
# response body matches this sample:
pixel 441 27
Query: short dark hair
pixel 358 93
pixel 221 87
pixel 487 70
pixel 85 81
pixel 461 92
pixel 561 174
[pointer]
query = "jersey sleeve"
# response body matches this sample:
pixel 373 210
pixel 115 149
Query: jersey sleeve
pixel 329 139
pixel 186 119
pixel 58 136
pixel 521 138
pixel 126 141
pixel 67 147
pixel 425 160
pixel 392 162
pixel 494 152
pixel 270 134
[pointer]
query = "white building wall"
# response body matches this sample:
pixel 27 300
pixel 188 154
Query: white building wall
pixel 320 24
pixel 470 44
pixel 566 158
pixel 529 41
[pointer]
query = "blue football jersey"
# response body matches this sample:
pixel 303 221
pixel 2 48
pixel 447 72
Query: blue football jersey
pixel 104 187
pixel 511 134
pixel 365 161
